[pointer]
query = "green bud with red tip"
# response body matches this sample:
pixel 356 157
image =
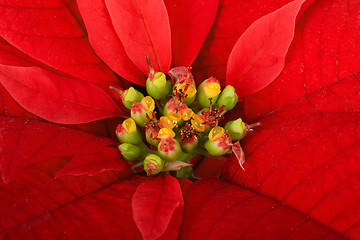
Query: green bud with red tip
pixel 157 86
pixel 127 132
pixel 208 89
pixel 153 164
pixel 168 148
pixel 130 96
pixel 228 98
pixel 219 142
pixel 129 151
pixel 236 129
pixel 141 111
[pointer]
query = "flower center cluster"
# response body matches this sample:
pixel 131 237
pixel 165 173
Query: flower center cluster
pixel 179 121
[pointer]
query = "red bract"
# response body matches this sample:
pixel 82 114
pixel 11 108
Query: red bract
pixel 301 178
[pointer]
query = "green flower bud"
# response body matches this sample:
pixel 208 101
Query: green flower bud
pixel 228 98
pixel 236 129
pixel 169 149
pixel 127 132
pixel 130 96
pixel 151 140
pixel 153 164
pixel 208 89
pixel 219 142
pixel 129 151
pixel 156 86
pixel 141 112
pixel 188 138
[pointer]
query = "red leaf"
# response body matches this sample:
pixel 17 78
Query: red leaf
pixel 154 204
pixel 306 155
pixel 216 209
pixel 259 55
pixel 190 21
pixel 106 43
pixel 48 32
pixel 25 142
pixel 92 164
pixel 35 206
pixel 323 53
pixel 232 19
pixel 148 22
pixel 56 98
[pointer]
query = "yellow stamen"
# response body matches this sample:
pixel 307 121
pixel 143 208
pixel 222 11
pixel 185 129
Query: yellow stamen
pixel 129 125
pixel 212 89
pixel 187 114
pixel 148 103
pixel 216 133
pixel 166 133
pixel 197 123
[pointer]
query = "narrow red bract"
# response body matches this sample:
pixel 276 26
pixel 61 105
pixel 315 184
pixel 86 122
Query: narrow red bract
pixel 259 55
pixel 154 204
pixel 56 98
pixel 105 41
pixel 144 30
pixel 190 21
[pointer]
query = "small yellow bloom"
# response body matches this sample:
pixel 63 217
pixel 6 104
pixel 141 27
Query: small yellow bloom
pixel 166 133
pixel 212 89
pixel 148 103
pixel 216 133
pixel 129 125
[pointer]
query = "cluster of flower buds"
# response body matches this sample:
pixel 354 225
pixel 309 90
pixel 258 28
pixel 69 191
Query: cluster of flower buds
pixel 178 122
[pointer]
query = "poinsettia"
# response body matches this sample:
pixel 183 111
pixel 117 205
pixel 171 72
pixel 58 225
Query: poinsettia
pixel 301 177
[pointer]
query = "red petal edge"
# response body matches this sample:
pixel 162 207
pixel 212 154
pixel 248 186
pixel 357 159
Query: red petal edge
pixel 106 43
